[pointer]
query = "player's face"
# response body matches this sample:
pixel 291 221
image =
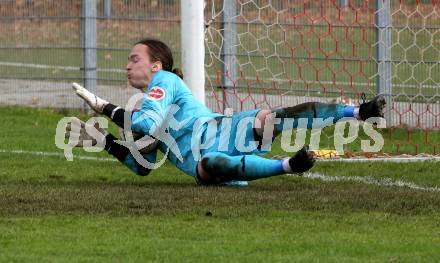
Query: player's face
pixel 140 69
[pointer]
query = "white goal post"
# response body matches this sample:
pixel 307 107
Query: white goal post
pixel 193 46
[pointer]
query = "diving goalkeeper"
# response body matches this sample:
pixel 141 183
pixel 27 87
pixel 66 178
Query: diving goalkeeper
pixel 150 69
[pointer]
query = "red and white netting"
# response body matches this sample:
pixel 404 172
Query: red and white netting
pixel 269 54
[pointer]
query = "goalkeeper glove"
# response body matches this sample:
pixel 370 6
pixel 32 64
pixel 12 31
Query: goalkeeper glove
pixel 84 132
pixel 95 102
pixel 96 136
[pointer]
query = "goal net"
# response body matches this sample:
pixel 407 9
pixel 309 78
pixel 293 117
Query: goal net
pixel 269 54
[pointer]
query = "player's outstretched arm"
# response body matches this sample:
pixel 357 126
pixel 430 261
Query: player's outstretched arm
pixel 114 112
pixel 100 137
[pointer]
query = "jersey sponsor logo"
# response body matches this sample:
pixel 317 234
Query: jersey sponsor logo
pixel 156 93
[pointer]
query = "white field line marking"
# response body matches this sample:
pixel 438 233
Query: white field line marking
pixel 383 159
pixel 340 83
pixel 38 153
pixel 66 68
pixel 371 180
pixel 325 178
pixel 396 159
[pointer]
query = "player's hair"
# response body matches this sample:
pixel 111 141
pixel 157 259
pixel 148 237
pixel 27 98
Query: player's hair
pixel 159 51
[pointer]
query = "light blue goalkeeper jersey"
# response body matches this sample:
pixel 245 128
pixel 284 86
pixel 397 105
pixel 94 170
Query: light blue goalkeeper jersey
pixel 166 91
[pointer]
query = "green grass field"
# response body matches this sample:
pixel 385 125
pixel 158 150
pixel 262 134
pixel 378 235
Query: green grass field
pixel 97 211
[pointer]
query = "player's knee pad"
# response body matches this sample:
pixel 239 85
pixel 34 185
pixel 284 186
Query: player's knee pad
pixel 220 167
